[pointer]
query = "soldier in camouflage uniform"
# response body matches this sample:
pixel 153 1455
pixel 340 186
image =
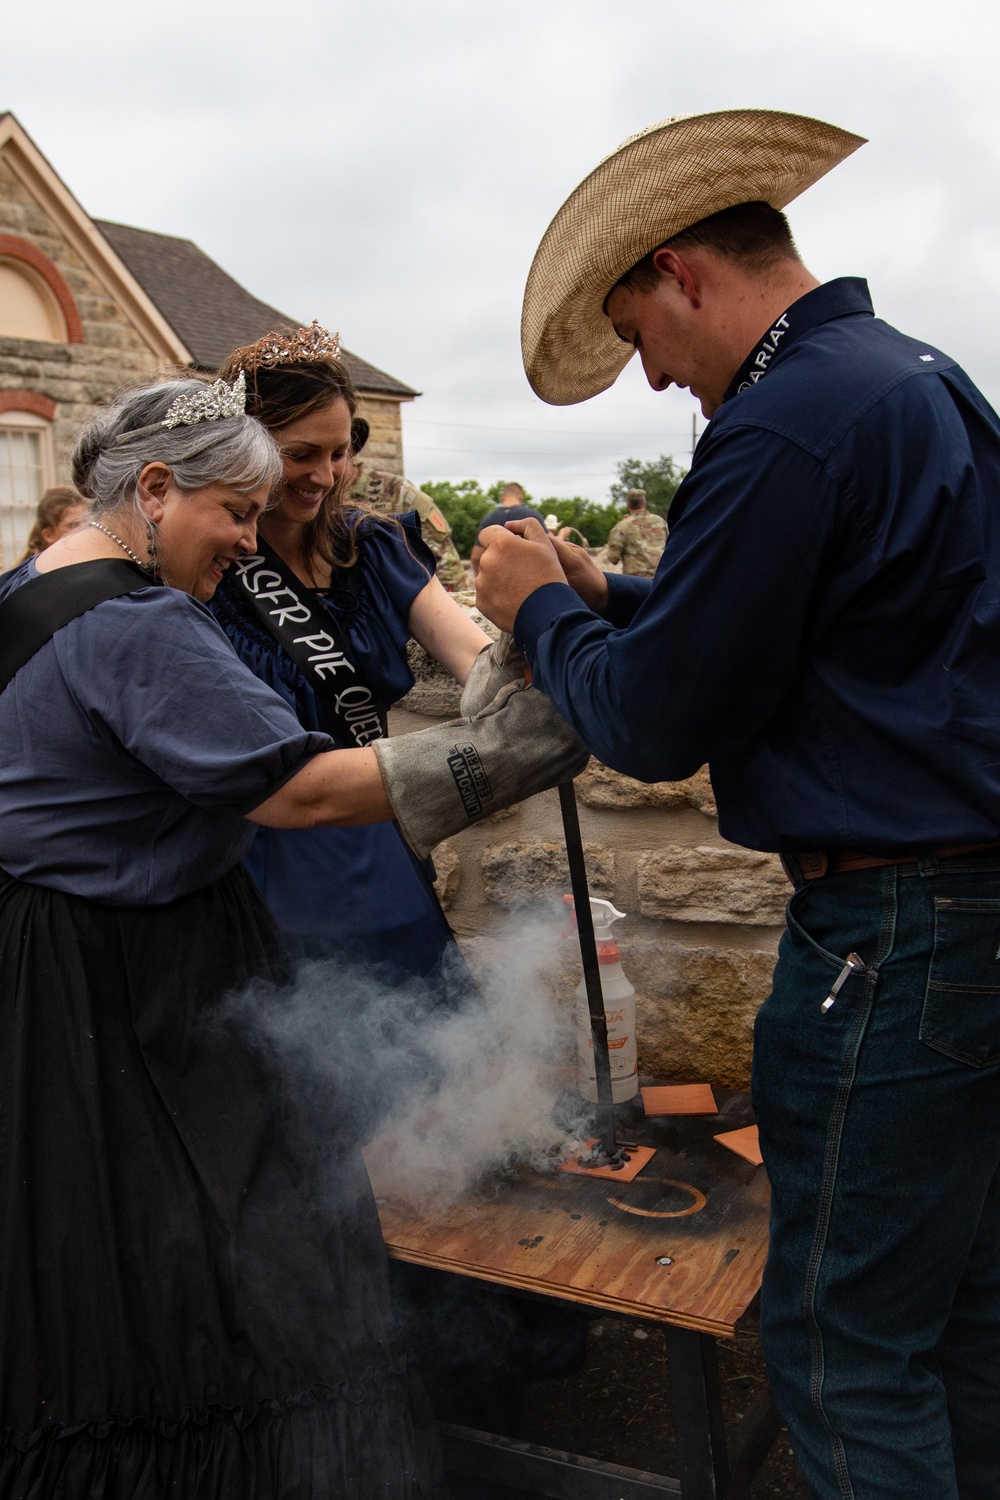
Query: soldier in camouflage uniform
pixel 639 538
pixel 392 494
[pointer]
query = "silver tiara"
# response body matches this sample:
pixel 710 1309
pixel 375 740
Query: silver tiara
pixel 209 404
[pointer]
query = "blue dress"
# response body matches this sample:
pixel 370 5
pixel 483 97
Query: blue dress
pixel 356 893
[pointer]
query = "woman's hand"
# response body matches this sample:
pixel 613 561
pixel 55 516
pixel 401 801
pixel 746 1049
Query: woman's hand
pixel 445 631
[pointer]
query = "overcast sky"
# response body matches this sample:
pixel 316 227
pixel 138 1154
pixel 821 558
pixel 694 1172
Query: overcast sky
pixel 390 167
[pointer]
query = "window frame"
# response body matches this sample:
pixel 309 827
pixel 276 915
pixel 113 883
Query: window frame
pixel 31 422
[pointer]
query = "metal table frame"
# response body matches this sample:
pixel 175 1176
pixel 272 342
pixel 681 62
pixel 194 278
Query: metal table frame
pixel 496 1241
pixel 713 1464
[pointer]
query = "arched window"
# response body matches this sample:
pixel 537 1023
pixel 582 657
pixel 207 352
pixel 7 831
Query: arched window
pixel 26 471
pixel 28 306
pixel 35 302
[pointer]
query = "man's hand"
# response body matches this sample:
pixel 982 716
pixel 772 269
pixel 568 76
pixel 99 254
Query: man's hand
pixel 517 559
pixel 583 575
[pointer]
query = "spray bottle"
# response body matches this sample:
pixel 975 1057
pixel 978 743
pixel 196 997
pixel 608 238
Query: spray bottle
pixel 619 1007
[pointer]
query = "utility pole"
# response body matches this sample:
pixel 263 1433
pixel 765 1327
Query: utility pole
pixel 694 432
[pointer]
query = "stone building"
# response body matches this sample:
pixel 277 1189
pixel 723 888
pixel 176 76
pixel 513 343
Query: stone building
pixel 87 307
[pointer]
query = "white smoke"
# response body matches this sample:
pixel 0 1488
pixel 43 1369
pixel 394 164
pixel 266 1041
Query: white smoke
pixel 452 1096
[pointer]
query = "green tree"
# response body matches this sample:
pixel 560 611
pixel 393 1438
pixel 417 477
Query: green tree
pixel 463 505
pixel 659 477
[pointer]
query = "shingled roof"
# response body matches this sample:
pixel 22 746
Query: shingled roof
pixel 210 311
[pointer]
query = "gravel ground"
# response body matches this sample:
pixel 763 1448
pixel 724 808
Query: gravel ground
pixel 617 1407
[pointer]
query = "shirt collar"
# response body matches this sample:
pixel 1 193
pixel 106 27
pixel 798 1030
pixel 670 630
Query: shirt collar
pixel 835 299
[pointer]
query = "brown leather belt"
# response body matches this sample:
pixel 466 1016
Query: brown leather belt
pixel 817 863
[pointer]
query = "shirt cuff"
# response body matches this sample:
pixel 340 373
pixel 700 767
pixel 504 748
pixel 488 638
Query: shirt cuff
pixel 538 612
pixel 625 595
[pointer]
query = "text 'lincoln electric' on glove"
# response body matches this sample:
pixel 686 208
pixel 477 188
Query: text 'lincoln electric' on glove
pixel 441 780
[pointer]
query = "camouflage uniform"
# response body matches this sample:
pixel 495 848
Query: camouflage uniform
pixel 391 494
pixel 637 542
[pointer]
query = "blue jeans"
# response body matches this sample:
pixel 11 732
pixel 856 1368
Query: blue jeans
pixel 880 1130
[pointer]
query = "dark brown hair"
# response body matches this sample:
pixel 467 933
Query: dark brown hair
pixel 754 235
pixel 278 395
pixel 51 508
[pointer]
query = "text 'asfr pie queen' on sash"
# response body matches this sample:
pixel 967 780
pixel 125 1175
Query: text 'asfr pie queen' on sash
pixel 309 635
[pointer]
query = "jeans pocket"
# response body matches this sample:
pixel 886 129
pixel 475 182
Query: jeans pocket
pixel 799 932
pixel 961 1014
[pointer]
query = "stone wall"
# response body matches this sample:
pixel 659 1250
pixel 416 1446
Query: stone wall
pixel 77 377
pixel 385 444
pixel 704 916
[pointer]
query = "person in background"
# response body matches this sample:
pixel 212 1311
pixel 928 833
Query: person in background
pixel 564 533
pixel 511 508
pixel 347 893
pixel 59 510
pixel 391 494
pixel 638 540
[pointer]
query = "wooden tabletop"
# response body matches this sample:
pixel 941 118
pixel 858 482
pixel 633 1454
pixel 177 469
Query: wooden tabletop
pixel 598 1242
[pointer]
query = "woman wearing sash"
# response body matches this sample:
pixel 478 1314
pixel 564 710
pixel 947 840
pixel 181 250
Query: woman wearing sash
pixel 355 587
pixel 193 1288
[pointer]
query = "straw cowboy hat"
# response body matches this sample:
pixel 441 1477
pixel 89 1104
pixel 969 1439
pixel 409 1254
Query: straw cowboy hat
pixel 658 182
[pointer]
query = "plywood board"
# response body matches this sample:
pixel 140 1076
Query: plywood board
pixel 744 1142
pixel 679 1099
pixel 697 1206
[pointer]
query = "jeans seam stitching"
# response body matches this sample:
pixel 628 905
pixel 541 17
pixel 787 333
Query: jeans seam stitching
pixel 828 1183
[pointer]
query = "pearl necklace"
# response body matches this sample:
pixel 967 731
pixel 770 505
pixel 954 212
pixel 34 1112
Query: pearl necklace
pixel 123 545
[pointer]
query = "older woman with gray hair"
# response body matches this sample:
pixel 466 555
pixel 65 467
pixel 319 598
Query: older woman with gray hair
pixel 192 1285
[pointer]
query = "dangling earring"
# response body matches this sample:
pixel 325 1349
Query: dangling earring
pixel 151 548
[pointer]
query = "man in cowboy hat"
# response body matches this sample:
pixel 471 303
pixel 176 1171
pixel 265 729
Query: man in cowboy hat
pixel 824 629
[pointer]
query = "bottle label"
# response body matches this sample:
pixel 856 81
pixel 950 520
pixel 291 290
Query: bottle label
pixel 621 1046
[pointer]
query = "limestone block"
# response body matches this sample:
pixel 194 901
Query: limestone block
pixel 712 883
pixel 448 873
pixel 435 692
pixel 695 1009
pixel 600 787
pixel 524 868
pixel 700 794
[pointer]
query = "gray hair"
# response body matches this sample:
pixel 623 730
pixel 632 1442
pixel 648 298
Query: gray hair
pixel 113 451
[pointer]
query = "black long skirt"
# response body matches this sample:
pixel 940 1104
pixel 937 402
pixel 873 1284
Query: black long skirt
pixel 193 1292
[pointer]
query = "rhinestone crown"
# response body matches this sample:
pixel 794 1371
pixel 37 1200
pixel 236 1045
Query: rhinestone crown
pixel 208 405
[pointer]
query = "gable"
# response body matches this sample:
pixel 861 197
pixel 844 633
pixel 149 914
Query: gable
pixel 37 206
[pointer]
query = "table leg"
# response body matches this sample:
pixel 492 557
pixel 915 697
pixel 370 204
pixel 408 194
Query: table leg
pixel 702 1460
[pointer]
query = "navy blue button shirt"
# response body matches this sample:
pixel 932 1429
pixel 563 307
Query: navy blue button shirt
pixel 824 625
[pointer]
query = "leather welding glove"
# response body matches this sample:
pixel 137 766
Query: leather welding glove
pixel 492 669
pixel 443 779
